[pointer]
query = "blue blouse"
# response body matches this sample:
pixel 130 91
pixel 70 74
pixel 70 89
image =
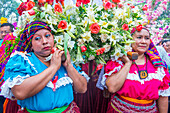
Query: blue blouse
pixel 20 66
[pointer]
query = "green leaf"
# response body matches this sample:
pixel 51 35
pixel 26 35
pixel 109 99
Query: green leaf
pixel 65 43
pixel 129 36
pixel 102 60
pixel 87 28
pixel 103 31
pixel 83 29
pixel 71 34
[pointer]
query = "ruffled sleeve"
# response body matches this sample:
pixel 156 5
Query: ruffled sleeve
pixel 112 67
pixel 17 70
pixel 81 72
pixel 164 89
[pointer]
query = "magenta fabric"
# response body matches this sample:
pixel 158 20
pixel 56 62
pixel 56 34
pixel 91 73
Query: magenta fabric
pixel 147 90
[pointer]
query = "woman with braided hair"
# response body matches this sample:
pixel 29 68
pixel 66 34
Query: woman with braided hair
pixel 138 85
pixel 37 84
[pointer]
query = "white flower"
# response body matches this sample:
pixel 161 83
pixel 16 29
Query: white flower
pixel 90 14
pixel 114 23
pixel 103 23
pixel 59 39
pixel 91 58
pixel 107 48
pixel 80 41
pixel 103 37
pixel 114 37
pixel 128 47
pixel 47 9
pixel 69 5
pixel 71 27
pixel 119 13
pixel 17 32
pixel 51 20
pixel 85 21
pixel 117 53
pixel 12 18
pixel 105 15
pixel 70 43
pixel 87 36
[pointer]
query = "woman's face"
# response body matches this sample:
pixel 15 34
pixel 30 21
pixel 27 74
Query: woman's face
pixel 142 41
pixel 166 45
pixel 42 42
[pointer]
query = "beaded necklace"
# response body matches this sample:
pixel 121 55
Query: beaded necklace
pixel 142 73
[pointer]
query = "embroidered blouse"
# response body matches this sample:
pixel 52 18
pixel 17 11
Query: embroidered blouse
pixel 21 66
pixel 149 88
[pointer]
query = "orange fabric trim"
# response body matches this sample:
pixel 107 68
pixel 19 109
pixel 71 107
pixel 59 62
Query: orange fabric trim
pixel 137 100
pixel 5 105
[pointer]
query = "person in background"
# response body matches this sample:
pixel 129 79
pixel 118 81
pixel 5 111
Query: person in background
pixel 37 84
pixel 138 85
pixel 5 29
pixel 166 45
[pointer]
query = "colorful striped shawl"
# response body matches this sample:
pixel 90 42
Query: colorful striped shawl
pixel 11 43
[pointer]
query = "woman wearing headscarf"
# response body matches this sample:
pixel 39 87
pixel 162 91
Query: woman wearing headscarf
pixel 37 84
pixel 138 85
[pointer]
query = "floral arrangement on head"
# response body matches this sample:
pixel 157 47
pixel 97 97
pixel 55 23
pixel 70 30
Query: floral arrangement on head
pixel 88 31
pixel 153 10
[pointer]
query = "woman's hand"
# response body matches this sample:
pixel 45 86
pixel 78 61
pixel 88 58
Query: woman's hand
pixel 68 61
pixel 125 59
pixel 56 59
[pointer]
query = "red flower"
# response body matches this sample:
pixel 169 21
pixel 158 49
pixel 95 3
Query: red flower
pixel 61 1
pixel 78 3
pixel 132 6
pixel 30 5
pixel 99 67
pixel 83 48
pixel 95 28
pixel 133 30
pixel 139 27
pixel 31 12
pixel 58 8
pixel 116 1
pixel 125 27
pixel 41 1
pixel 62 24
pixel 25 6
pixel 50 2
pixel 145 8
pixel 120 5
pixel 107 5
pixel 85 1
pixel 100 51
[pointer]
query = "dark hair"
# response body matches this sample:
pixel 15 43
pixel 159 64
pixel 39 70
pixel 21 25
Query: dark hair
pixel 164 41
pixel 8 24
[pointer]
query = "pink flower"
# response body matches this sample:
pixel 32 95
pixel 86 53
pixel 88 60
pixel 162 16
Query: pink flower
pixel 145 8
pixel 107 5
